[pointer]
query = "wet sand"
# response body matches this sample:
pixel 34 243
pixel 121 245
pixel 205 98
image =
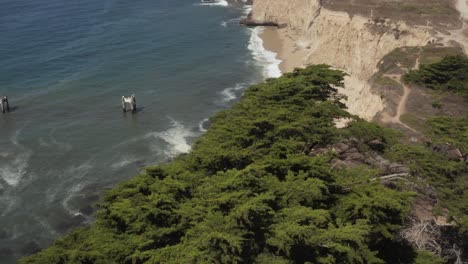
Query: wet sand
pixel 280 42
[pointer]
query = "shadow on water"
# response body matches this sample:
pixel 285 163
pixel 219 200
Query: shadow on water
pixel 138 110
pixel 12 109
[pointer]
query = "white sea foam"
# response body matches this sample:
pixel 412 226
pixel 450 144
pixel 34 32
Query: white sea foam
pixel 124 161
pixel 232 21
pixel 216 3
pixel 72 174
pixel 246 10
pixel 201 125
pixel 72 193
pixel 78 172
pixel 176 137
pixel 264 58
pixel 14 168
pixel 230 93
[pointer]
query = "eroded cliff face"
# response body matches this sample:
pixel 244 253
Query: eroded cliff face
pixel 353 43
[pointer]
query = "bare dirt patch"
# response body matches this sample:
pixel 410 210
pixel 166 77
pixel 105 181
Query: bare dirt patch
pixel 440 14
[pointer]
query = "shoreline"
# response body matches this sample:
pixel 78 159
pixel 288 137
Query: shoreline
pixel 275 40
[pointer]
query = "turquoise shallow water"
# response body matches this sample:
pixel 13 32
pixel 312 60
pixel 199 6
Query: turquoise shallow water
pixel 65 65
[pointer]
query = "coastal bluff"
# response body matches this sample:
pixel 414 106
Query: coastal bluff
pixel 353 36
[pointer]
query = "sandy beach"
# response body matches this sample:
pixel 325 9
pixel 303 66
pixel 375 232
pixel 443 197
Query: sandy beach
pixel 276 40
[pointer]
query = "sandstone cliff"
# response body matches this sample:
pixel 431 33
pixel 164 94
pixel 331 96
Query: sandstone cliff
pixel 352 42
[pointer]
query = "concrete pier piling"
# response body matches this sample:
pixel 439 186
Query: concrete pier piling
pixel 129 100
pixel 4 104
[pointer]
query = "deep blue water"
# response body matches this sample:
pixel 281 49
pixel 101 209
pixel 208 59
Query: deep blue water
pixel 65 65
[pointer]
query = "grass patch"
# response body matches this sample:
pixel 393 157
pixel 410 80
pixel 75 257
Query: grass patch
pixel 387 81
pixel 433 54
pixel 414 122
pixel 404 57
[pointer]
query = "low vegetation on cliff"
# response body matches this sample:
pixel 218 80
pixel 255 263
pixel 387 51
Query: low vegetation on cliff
pixel 449 74
pixel 253 190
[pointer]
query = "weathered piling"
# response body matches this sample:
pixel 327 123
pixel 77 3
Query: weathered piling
pixel 133 103
pixel 124 107
pixel 4 104
pixel 129 100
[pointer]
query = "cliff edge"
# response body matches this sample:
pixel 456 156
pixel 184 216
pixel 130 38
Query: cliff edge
pixel 354 36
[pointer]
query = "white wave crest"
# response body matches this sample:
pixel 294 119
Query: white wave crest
pixel 246 10
pixel 230 93
pixel 264 58
pixel 176 138
pixel 215 3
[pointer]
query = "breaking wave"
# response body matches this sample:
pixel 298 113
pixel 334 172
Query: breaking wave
pixel 215 3
pixel 264 58
pixel 232 93
pixel 176 139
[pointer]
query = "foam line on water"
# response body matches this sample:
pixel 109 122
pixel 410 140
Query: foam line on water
pixel 79 171
pixel 202 125
pixel 264 58
pixel 124 161
pixel 71 193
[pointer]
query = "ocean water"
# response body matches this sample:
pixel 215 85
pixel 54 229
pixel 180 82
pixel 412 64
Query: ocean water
pixel 65 65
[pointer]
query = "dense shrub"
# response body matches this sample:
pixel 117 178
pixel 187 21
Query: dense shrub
pixel 248 192
pixel 450 74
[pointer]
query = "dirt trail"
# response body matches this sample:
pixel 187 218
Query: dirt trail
pixel 460 35
pixel 401 109
pixel 402 105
